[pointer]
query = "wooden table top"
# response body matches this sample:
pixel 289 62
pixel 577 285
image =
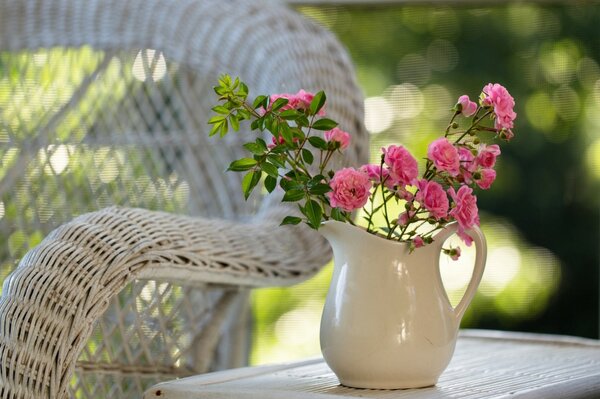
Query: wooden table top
pixel 486 365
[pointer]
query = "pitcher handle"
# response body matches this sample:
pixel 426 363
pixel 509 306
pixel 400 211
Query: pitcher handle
pixel 480 257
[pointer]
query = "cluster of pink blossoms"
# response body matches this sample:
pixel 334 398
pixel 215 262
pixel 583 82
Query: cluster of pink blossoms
pixel 452 164
pixel 456 163
pixel 499 98
pixel 298 101
pixel 301 102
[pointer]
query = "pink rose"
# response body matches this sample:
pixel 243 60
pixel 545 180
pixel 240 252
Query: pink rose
pixel 338 135
pixel 444 156
pixel 487 177
pixel 376 173
pixel 418 242
pixel 403 219
pixel 467 163
pixel 299 101
pixel 468 107
pixel 304 98
pixel 432 197
pixel 287 96
pixel 276 141
pixel 487 155
pixel 465 211
pixel 404 194
pixel 402 165
pixel 497 96
pixel 350 189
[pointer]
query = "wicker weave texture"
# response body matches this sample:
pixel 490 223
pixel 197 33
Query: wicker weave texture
pixel 105 103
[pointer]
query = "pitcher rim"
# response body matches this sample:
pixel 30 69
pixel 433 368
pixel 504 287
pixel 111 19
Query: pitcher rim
pixel 378 236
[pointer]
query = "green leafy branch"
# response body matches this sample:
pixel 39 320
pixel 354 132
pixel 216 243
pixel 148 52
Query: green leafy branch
pixel 288 163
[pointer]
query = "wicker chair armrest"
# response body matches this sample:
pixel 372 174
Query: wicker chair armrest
pixel 50 303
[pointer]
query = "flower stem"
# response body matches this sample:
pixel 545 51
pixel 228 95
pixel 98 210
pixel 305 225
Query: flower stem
pixel 475 123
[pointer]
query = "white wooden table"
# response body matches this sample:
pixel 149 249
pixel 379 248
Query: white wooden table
pixel 486 364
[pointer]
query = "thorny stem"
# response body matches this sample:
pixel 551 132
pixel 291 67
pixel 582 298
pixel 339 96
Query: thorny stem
pixel 475 123
pixel 456 113
pixel 305 139
pixel 372 200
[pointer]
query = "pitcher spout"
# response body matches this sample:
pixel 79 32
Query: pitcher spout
pixel 351 239
pixel 341 234
pixel 332 230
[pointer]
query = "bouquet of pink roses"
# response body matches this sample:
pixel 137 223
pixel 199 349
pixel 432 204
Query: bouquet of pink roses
pixel 296 160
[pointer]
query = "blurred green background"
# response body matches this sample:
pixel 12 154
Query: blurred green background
pixel 541 217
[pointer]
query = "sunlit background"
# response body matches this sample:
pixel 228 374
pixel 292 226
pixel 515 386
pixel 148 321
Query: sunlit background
pixel 541 218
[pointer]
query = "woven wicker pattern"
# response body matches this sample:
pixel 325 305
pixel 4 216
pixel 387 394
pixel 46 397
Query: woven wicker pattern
pixel 105 103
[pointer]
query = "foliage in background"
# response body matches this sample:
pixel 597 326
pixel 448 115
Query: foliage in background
pixel 544 209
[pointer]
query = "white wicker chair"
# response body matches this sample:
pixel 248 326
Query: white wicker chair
pixel 103 110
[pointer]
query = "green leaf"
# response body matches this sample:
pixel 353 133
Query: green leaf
pixel 316 179
pixel 286 132
pixel 279 149
pixel 297 133
pixel 269 169
pixel 319 189
pixel 224 128
pixel 276 160
pixel 290 184
pixel 249 182
pixel 243 91
pixel 243 114
pixel 289 114
pixel 225 80
pixel 338 214
pixel 221 110
pixel 261 143
pixel 324 124
pixel 290 220
pixel 243 164
pixel 268 124
pixel 317 102
pixel 293 195
pixel 279 103
pixel 235 123
pixel 258 101
pixel 317 142
pixel 307 156
pixel 298 177
pixel 302 121
pixel 216 119
pixel 255 148
pixel 220 90
pixel 214 129
pixel 270 183
pixel 313 212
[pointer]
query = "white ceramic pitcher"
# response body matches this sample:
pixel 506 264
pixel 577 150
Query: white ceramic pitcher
pixel 387 321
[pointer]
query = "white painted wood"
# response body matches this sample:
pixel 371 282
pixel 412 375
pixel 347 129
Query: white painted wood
pixel 486 365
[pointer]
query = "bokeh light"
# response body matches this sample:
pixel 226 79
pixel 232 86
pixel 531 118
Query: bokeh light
pixel 413 63
pixel 379 114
